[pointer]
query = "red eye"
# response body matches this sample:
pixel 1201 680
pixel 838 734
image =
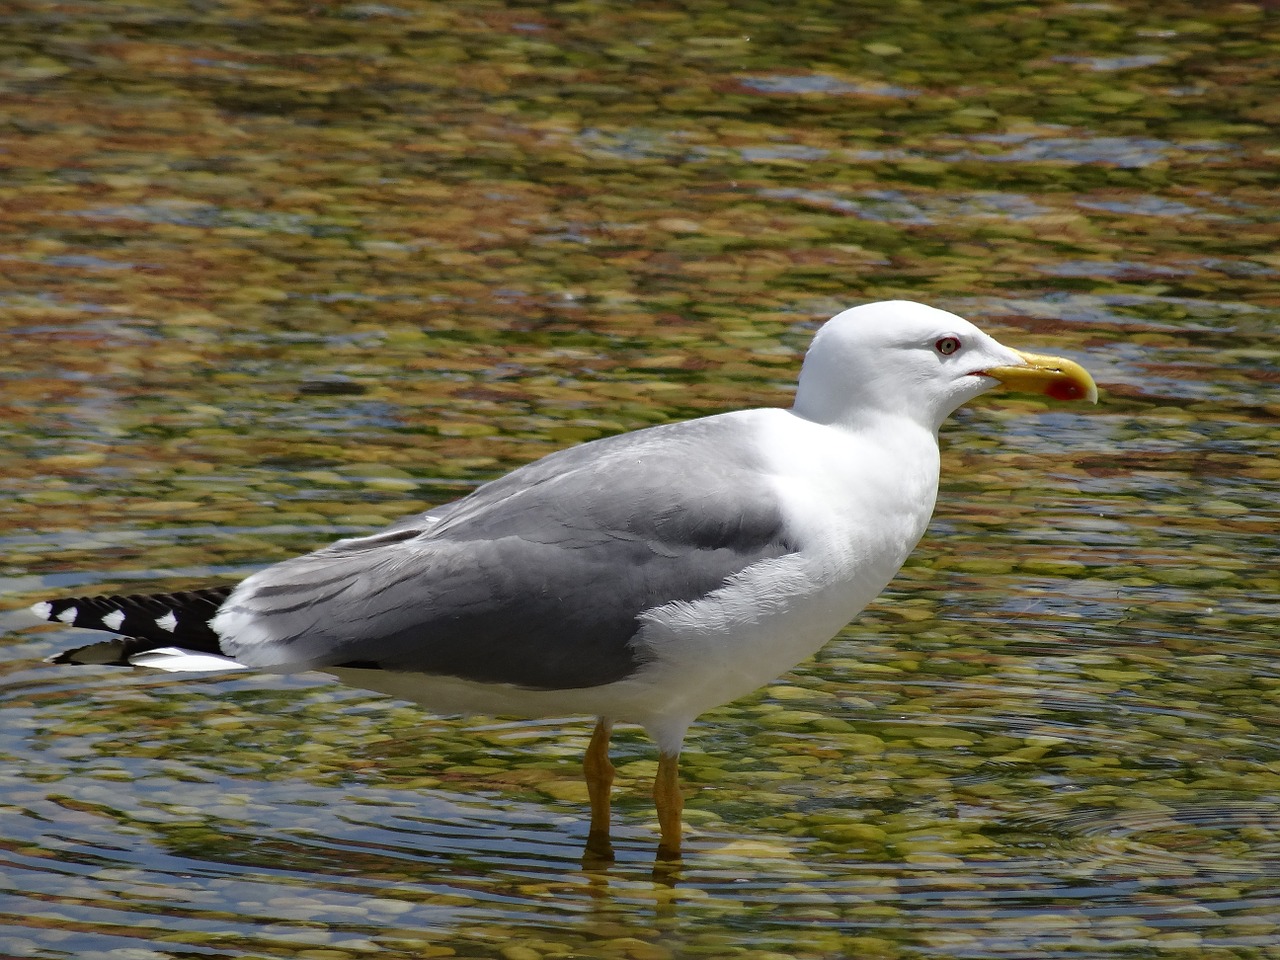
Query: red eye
pixel 947 346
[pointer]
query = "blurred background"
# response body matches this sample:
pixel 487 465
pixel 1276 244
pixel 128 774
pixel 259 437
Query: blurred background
pixel 273 272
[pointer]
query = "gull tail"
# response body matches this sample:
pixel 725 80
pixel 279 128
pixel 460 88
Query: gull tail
pixel 145 623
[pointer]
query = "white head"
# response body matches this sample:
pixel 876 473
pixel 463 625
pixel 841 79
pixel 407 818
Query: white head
pixel 908 360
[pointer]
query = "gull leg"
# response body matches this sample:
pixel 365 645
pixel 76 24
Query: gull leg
pixel 599 775
pixel 670 804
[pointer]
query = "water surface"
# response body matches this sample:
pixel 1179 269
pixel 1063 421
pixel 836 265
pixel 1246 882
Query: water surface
pixel 276 272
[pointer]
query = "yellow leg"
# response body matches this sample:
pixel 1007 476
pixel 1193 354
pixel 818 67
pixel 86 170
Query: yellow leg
pixel 599 775
pixel 667 798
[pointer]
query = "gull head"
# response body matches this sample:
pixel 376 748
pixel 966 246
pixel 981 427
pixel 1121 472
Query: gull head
pixel 903 359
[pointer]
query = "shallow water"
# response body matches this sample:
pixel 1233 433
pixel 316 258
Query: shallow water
pixel 276 272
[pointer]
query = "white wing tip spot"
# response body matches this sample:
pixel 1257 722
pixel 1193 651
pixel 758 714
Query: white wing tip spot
pixel 43 609
pixel 168 622
pixel 113 619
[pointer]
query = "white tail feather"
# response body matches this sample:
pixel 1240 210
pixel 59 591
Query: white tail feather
pixel 177 660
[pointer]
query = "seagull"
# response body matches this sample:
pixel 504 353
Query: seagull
pixel 642 578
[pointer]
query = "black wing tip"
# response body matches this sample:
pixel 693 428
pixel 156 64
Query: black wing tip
pixel 145 621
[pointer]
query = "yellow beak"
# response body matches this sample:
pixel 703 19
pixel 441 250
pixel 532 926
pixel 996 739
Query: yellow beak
pixel 1054 377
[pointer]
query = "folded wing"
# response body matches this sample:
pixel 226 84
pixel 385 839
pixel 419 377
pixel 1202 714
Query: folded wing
pixel 536 579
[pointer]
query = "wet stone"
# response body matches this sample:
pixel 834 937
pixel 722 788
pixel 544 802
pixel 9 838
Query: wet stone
pixel 271 278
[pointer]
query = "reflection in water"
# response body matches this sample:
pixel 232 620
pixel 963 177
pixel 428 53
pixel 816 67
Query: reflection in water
pixel 518 229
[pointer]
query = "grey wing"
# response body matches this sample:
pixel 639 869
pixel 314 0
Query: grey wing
pixel 536 579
